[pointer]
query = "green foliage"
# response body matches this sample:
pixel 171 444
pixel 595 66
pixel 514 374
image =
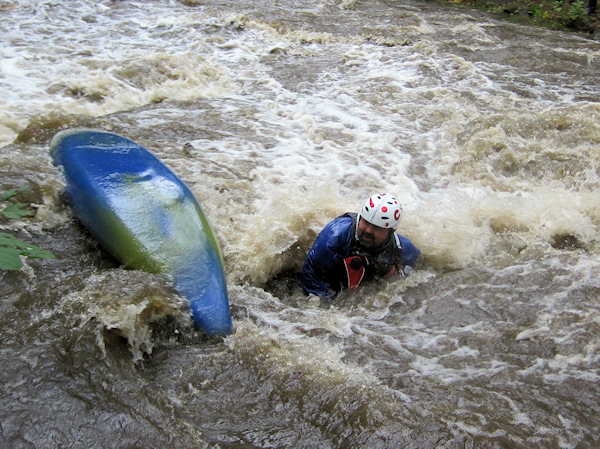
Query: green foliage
pixel 10 247
pixel 555 14
pixel 559 13
pixel 576 11
pixel 15 211
pixel 538 13
pixel 570 14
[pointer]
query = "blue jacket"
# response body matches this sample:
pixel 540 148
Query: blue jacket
pixel 336 260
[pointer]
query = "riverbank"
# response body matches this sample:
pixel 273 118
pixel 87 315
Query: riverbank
pixel 554 14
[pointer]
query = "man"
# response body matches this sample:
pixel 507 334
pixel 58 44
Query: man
pixel 355 248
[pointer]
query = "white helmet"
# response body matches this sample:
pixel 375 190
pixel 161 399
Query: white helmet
pixel 382 210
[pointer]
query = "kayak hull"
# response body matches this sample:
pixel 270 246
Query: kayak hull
pixel 145 217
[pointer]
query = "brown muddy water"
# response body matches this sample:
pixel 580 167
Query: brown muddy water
pixel 280 115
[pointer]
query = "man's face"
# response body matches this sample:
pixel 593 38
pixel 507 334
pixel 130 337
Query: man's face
pixel 371 236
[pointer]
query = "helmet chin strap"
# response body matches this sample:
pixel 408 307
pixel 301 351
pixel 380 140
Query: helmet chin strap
pixel 356 227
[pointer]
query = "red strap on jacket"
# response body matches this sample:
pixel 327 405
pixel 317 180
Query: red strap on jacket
pixel 355 275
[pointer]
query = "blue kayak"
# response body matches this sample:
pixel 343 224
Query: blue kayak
pixel 145 217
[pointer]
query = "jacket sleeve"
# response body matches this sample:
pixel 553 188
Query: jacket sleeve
pixel 320 271
pixel 410 253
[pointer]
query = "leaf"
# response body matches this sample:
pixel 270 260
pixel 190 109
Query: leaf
pixel 19 210
pixel 9 259
pixel 11 247
pixel 36 252
pixel 10 193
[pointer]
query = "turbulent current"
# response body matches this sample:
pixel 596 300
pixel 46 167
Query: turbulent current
pixel 280 115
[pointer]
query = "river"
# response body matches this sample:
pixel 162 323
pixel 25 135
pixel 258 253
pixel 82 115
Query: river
pixel 281 115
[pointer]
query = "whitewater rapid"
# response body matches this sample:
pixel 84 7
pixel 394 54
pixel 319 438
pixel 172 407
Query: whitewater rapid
pixel 279 116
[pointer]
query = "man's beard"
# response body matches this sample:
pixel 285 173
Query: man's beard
pixel 367 242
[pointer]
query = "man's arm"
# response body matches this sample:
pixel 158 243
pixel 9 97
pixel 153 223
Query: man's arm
pixel 320 273
pixel 314 278
pixel 410 253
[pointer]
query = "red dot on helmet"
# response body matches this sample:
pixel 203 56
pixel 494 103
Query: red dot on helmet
pixel 384 209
